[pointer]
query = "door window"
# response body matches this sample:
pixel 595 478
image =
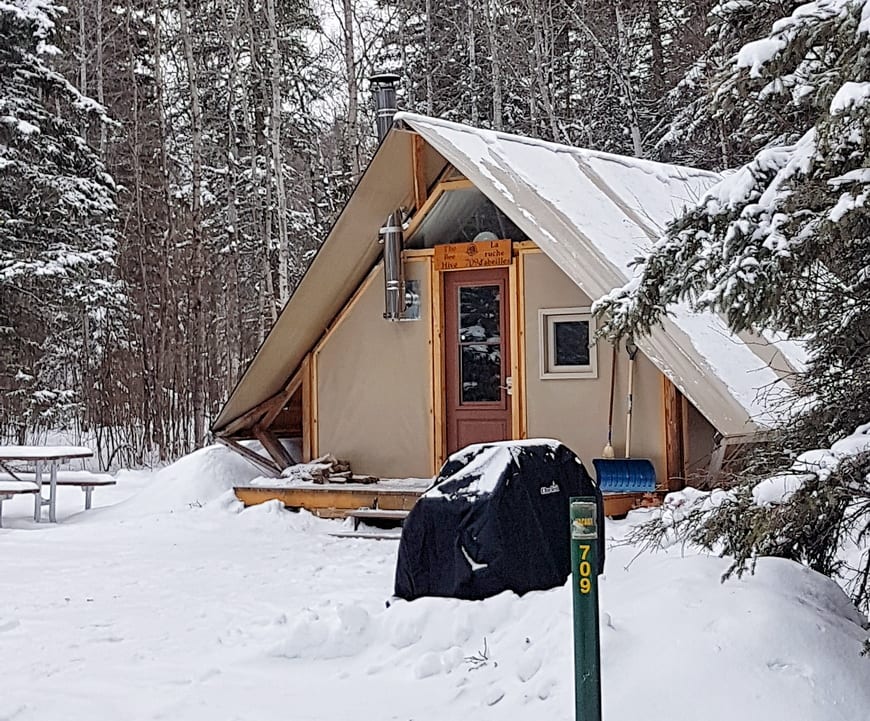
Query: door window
pixel 480 366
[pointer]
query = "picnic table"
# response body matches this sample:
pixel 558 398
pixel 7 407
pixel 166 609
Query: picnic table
pixel 39 456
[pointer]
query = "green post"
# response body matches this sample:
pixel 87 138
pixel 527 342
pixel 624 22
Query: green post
pixel 584 582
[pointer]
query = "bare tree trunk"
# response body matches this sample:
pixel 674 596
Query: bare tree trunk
pixel 101 95
pixel 472 63
pixel 198 320
pixel 160 402
pixel 352 90
pixel 148 404
pixel 430 88
pixel 540 65
pixel 260 207
pixel 622 59
pixel 278 157
pixel 617 68
pixel 655 32
pixel 83 62
pixel 402 21
pixel 491 7
pixel 268 301
pixel 233 344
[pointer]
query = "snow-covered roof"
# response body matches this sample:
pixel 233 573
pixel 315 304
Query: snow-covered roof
pixel 593 213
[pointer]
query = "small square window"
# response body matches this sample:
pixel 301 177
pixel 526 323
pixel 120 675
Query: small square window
pixel 567 349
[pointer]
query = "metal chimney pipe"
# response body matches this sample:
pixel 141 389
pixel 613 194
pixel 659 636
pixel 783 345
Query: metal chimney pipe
pixel 394 270
pixel 384 92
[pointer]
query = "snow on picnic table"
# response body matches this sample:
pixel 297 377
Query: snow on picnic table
pixel 38 453
pixel 168 601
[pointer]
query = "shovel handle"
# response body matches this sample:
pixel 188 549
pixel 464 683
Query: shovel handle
pixel 629 402
pixel 612 390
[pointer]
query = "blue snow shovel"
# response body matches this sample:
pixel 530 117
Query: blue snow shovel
pixel 624 475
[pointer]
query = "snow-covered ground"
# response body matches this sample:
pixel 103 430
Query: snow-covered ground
pixel 168 601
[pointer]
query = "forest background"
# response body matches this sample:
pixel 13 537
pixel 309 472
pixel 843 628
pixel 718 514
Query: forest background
pixel 226 136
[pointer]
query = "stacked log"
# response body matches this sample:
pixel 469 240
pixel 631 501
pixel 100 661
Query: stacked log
pixel 326 469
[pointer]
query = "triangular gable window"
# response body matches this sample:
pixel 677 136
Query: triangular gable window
pixel 460 216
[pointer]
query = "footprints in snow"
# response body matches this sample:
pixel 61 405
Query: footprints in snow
pixel 9 625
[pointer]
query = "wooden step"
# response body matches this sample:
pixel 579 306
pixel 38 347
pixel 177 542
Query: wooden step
pixel 373 536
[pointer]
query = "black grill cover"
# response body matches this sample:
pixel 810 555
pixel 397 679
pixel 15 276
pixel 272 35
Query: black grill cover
pixel 496 519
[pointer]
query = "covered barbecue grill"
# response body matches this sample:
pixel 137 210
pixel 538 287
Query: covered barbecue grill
pixel 496 519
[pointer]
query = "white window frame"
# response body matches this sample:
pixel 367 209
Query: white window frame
pixel 547 317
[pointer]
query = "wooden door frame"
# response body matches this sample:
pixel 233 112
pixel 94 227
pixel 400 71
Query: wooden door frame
pixel 516 331
pixel 439 403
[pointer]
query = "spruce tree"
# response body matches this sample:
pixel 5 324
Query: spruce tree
pixel 781 245
pixel 56 226
pixel 724 133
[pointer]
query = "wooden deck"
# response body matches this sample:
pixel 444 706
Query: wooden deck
pixel 338 500
pixel 334 500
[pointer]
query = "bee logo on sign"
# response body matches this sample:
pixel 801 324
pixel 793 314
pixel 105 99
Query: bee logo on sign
pixel 482 254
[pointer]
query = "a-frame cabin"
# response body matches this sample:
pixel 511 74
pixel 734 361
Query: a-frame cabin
pixel 505 243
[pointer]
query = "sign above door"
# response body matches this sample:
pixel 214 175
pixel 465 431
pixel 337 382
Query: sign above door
pixel 482 254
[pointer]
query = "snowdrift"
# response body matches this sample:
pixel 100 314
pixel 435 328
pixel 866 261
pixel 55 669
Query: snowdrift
pixel 677 645
pixel 194 480
pixel 191 615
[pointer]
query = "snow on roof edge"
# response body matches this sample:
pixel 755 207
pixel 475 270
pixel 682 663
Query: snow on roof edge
pixel 624 160
pixel 739 375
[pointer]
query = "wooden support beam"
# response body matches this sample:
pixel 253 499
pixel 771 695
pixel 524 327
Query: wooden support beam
pixel 727 450
pixel 250 418
pixel 417 154
pixel 675 452
pixel 306 410
pixel 717 460
pixel 281 399
pixel 431 199
pixel 265 412
pixel 274 447
pixel 264 464
pixel 315 430
pixel 421 212
pixel 687 446
pixel 458 184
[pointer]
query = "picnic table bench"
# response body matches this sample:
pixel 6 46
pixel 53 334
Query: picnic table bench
pixel 10 488
pixel 31 482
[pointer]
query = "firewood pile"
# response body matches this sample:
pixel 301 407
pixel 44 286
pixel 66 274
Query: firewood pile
pixel 326 469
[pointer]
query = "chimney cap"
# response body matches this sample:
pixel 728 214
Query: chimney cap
pixel 384 78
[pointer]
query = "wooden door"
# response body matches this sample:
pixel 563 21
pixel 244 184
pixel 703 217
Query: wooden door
pixel 476 357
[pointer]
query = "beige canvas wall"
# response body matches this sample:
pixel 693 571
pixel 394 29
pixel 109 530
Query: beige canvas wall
pixel 374 386
pixel 574 411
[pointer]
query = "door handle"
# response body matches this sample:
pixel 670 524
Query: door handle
pixel 508 386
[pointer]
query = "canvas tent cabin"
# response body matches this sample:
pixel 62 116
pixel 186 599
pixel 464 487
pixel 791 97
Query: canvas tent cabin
pixel 498 345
